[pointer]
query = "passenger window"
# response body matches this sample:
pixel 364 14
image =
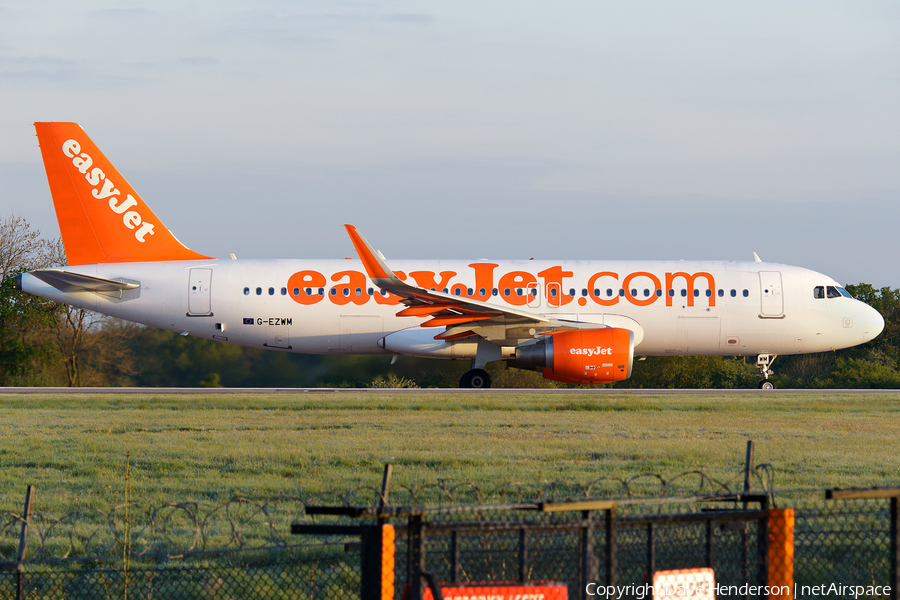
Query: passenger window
pixel 609 292
pixel 721 293
pixel 297 292
pixel 646 293
pixel 553 292
pixel 506 291
pixel 659 293
pixel 470 291
pixel 481 291
pixel 708 293
pixel 308 291
pixel 596 293
pixel 572 292
pixel 371 291
pixel 259 291
pixel 746 293
pixel 346 291
pixel 359 291
pixel 494 292
pixel 457 292
pixel 246 291
pixel 621 293
pixel 271 291
pixel 819 292
pixel 584 292
pixel 671 293
pixel 733 293
pixel 284 291
pixel 321 291
pixel 633 293
pixel 534 292
pixel 333 291
pixel 444 290
pixel 684 293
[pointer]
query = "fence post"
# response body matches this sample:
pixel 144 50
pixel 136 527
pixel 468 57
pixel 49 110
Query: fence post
pixel 762 543
pixel 377 554
pixel 781 552
pixel 612 548
pixel 587 552
pixel 23 543
pixel 895 548
pixel 416 539
pixel 523 555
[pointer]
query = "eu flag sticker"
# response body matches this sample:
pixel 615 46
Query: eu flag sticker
pixel 248 321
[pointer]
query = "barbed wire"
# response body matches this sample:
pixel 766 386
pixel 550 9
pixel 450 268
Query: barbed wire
pixel 170 530
pixel 182 529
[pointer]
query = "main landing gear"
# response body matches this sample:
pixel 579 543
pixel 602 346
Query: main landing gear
pixel 764 361
pixel 476 378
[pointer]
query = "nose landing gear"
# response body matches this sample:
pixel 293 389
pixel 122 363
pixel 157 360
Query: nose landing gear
pixel 764 361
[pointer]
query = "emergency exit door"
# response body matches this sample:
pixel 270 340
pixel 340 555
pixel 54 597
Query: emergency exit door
pixel 772 301
pixel 199 292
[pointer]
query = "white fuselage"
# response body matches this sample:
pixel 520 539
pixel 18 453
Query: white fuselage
pixel 331 306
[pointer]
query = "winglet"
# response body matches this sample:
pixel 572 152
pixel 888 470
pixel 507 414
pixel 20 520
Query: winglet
pixel 373 261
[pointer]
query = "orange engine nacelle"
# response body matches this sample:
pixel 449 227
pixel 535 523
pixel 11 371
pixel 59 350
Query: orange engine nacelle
pixel 582 356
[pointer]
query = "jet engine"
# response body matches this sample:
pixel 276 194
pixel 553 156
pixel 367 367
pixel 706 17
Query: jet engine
pixel 582 356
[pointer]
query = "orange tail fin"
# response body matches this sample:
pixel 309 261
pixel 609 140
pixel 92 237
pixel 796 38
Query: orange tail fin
pixel 101 218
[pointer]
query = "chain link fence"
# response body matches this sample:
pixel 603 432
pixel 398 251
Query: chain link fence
pixel 459 535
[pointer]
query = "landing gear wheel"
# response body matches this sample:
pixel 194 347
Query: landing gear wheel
pixel 765 384
pixel 476 378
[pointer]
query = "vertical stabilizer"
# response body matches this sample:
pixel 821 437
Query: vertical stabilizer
pixel 101 218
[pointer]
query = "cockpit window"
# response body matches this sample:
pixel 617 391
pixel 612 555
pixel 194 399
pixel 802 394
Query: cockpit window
pixel 831 291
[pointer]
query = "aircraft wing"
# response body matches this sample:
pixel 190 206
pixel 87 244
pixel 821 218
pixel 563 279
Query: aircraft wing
pixel 445 310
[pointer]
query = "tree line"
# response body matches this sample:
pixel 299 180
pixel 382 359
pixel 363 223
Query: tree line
pixel 44 343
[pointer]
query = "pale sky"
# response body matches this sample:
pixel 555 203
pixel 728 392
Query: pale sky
pixel 582 130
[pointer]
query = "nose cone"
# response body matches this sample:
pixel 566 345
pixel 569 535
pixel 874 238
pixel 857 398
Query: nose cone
pixel 871 321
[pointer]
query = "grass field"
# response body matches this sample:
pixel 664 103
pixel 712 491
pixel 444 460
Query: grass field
pixel 210 448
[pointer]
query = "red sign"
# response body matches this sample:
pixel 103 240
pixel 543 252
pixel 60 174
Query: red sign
pixel 550 591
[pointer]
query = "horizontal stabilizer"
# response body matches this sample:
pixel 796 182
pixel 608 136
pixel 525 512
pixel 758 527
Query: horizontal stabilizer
pixel 66 281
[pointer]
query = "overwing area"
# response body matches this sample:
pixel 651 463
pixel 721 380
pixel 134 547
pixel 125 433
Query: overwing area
pixel 458 314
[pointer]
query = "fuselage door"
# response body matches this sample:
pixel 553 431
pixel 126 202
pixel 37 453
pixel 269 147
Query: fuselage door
pixel 198 292
pixel 772 301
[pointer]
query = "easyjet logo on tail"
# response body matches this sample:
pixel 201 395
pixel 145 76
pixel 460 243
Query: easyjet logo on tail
pixel 94 176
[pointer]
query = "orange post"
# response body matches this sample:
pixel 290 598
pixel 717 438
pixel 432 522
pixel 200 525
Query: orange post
pixel 781 554
pixel 387 562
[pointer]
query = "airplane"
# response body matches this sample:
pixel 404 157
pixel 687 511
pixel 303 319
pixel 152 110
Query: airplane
pixel 579 322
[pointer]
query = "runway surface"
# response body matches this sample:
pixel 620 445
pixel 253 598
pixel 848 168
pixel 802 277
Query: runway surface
pixel 376 391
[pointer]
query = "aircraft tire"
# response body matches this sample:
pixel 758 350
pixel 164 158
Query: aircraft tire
pixel 765 384
pixel 476 378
